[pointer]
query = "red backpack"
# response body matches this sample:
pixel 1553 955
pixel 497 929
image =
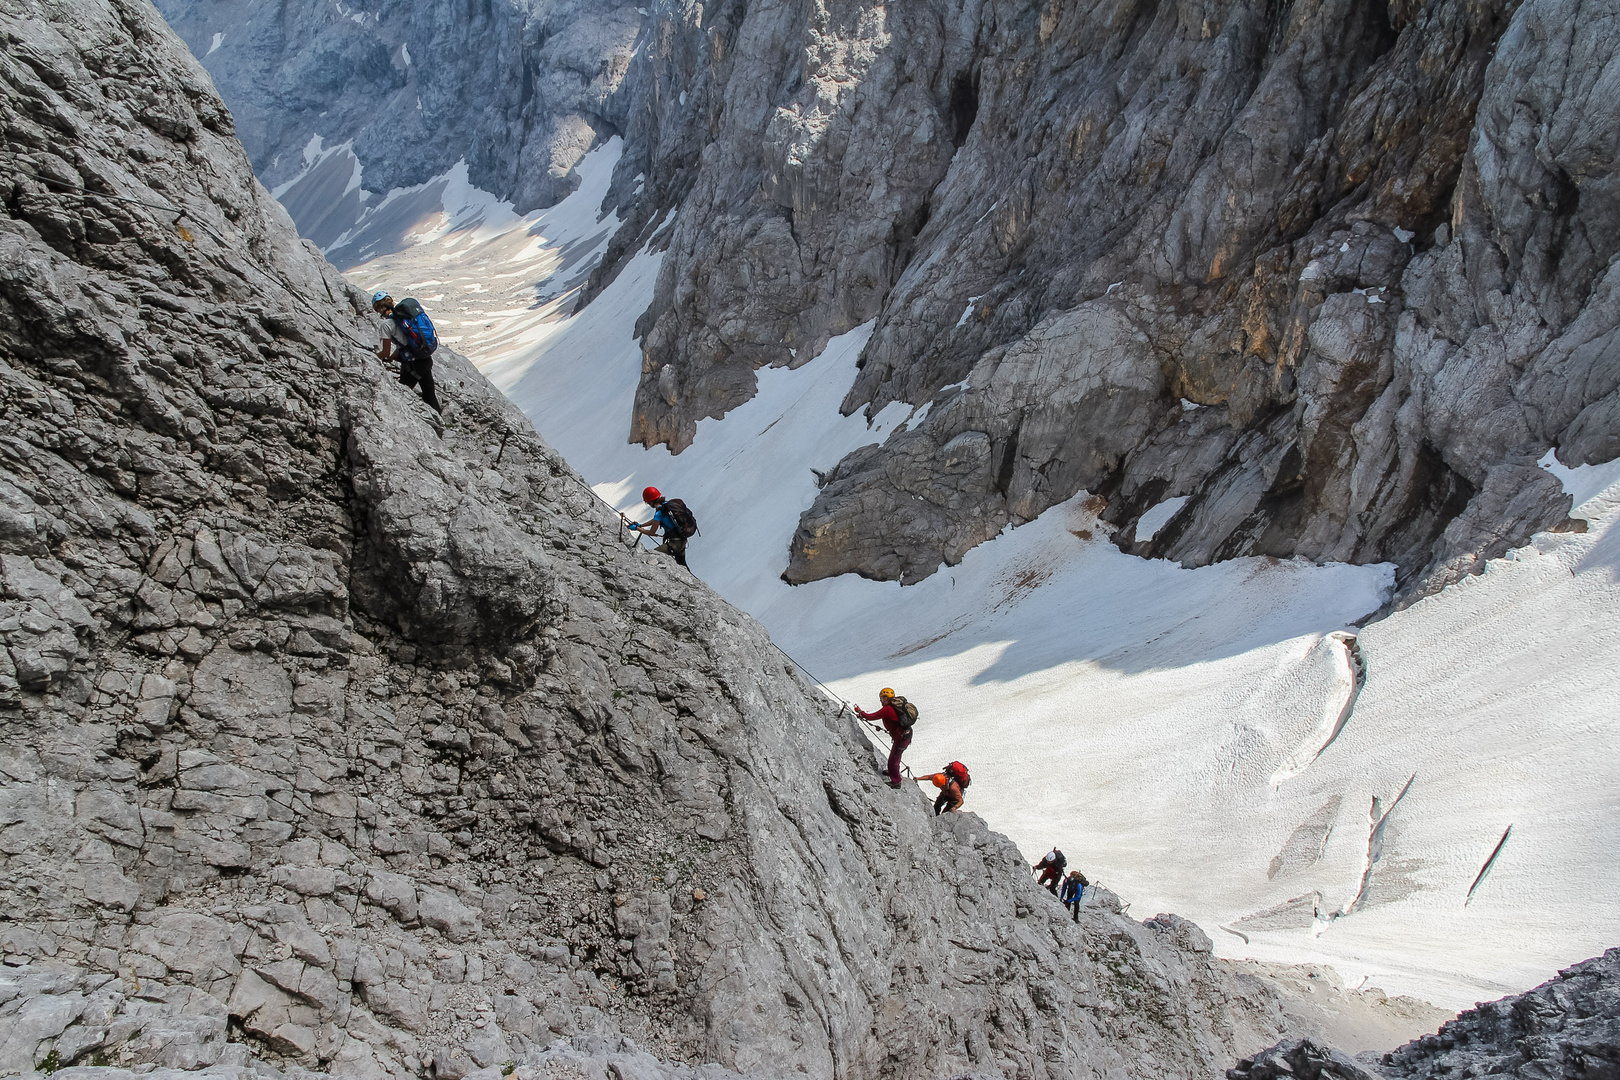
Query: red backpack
pixel 958 772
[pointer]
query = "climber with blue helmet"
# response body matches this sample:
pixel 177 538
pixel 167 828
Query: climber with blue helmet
pixel 407 330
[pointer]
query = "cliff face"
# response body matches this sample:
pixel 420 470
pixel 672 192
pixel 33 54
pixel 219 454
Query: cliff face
pixel 1338 272
pixel 520 89
pixel 338 739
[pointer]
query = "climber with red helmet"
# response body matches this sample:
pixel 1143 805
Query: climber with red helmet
pixel 672 517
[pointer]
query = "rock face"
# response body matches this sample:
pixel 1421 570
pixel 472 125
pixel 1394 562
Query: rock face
pixel 1339 273
pixel 1567 1027
pixel 520 89
pixel 1300 1059
pixel 334 738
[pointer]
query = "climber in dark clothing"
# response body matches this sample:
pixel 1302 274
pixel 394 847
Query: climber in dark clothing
pixel 672 518
pixel 415 368
pixel 1074 886
pixel 1051 868
pixel 899 735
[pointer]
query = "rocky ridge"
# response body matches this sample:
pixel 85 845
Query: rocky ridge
pixel 339 738
pixel 1567 1027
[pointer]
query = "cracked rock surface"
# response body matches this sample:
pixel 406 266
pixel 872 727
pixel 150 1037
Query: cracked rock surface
pixel 337 738
pixel 1566 1027
pixel 1340 273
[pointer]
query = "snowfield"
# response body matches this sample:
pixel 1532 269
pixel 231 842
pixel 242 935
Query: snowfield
pixel 1222 742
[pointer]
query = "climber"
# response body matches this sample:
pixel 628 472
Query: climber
pixel 1074 886
pixel 1051 868
pixel 407 329
pixel 897 715
pixel 952 782
pixel 670 515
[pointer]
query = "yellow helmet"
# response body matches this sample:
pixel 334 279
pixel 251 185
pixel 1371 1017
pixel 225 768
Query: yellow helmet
pixel 885 692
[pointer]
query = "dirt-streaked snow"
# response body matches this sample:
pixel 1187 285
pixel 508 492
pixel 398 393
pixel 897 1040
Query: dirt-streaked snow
pixel 1219 742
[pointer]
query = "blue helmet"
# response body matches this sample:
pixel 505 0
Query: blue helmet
pixel 379 297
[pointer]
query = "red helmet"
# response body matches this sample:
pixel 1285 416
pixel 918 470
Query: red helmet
pixel 650 495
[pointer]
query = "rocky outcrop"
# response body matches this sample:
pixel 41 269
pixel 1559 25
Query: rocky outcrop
pixel 1300 1059
pixel 1566 1027
pixel 1338 274
pixel 339 738
pixel 519 89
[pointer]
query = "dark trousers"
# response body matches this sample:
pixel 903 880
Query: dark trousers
pixel 413 371
pixel 895 750
pixel 1051 876
pixel 674 546
pixel 1074 901
pixel 949 799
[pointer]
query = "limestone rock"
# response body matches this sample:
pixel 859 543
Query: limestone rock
pixel 336 733
pixel 1320 283
pixel 519 90
pixel 1300 1059
pixel 1568 1026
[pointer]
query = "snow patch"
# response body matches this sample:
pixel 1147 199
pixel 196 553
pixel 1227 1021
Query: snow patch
pixel 967 311
pixel 1189 406
pixel 1403 235
pixel 1157 517
pixel 506 281
pixel 214 44
pixel 1582 483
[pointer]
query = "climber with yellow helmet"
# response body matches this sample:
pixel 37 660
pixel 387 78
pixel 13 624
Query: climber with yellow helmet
pixel 898 716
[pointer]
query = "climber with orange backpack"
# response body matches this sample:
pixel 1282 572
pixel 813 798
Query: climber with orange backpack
pixel 671 516
pixel 898 716
pixel 952 782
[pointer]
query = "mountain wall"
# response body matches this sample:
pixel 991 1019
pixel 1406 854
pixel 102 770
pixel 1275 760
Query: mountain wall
pixel 1338 272
pixel 339 738
pixel 519 89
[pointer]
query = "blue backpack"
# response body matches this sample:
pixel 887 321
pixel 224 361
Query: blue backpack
pixel 418 328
